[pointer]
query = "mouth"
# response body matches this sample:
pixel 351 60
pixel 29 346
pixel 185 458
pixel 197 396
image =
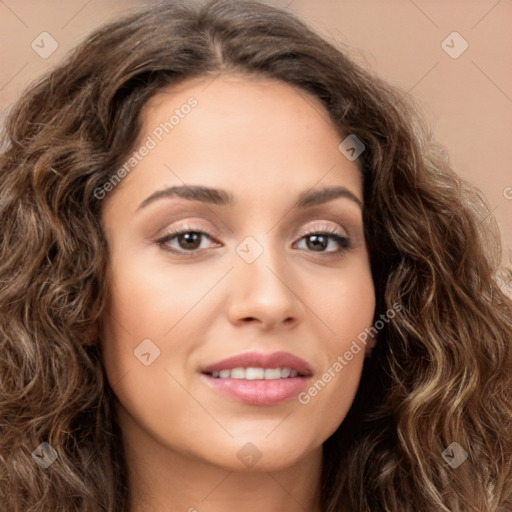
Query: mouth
pixel 258 379
pixel 255 373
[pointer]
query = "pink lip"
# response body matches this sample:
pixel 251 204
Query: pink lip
pixel 260 391
pixel 257 360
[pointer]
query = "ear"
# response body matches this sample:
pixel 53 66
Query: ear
pixel 91 335
pixel 370 346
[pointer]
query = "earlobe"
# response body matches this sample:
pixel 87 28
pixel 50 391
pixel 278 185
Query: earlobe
pixel 91 335
pixel 370 346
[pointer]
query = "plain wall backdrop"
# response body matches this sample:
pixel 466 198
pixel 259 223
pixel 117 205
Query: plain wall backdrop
pixel 454 56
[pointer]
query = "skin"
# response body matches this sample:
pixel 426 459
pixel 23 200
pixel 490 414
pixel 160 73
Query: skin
pixel 264 142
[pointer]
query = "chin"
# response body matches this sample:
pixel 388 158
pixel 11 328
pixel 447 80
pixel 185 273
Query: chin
pixel 260 454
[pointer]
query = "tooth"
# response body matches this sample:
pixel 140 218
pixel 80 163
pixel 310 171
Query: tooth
pixel 272 373
pixel 238 373
pixel 254 373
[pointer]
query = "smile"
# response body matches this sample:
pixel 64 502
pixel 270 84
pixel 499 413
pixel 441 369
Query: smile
pixel 258 379
pixel 255 373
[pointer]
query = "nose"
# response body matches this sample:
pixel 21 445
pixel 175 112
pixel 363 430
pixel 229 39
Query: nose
pixel 264 292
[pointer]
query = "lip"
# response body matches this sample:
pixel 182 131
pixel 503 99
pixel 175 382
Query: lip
pixel 259 360
pixel 259 391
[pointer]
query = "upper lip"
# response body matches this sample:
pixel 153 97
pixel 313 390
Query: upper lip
pixel 258 360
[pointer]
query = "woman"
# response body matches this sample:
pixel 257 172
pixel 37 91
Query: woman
pixel 237 273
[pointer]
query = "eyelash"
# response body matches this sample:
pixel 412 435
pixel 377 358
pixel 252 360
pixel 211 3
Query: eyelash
pixel 344 242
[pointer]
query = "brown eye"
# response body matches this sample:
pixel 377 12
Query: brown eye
pixel 189 240
pixel 317 242
pixel 183 240
pixel 320 241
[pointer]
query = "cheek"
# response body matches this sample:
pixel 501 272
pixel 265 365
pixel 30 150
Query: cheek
pixel 152 299
pixel 150 295
pixel 344 302
pixel 139 341
pixel 346 306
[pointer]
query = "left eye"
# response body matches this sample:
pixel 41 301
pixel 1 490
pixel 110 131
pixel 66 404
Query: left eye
pixel 317 241
pixel 189 241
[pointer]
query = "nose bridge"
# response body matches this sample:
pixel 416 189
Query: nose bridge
pixel 261 275
pixel 259 259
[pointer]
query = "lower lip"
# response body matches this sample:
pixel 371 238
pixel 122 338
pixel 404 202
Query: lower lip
pixel 259 391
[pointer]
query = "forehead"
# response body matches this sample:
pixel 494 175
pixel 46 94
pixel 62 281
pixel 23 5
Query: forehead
pixel 240 133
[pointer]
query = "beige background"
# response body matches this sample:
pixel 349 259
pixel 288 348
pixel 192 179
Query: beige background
pixel 467 100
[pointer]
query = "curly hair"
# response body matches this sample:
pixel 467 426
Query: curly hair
pixel 442 370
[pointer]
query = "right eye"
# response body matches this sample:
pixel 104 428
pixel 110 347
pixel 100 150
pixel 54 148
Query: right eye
pixel 187 238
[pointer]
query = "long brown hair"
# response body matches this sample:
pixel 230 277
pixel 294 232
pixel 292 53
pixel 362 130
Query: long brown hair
pixel 441 372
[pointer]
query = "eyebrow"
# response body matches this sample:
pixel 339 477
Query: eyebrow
pixel 224 198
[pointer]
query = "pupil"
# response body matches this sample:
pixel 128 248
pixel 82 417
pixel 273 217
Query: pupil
pixel 191 239
pixel 317 241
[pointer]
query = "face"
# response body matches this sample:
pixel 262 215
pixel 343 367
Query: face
pixel 234 295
